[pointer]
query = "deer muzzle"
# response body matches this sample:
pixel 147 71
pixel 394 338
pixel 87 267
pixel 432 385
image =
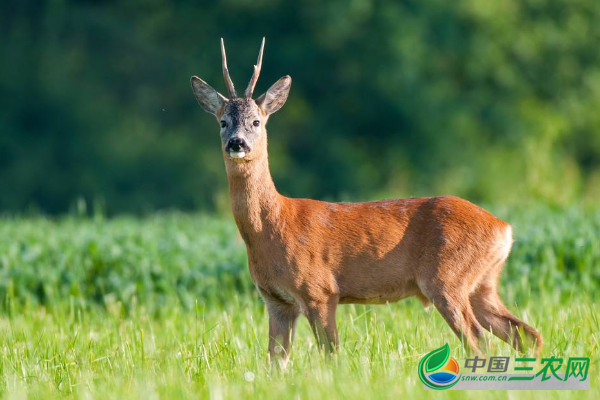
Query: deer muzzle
pixel 237 147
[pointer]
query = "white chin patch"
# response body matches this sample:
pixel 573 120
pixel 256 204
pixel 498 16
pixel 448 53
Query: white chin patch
pixel 237 154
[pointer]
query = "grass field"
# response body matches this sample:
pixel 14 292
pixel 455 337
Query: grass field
pixel 163 307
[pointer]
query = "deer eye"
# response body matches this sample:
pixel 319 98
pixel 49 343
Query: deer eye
pixel 223 124
pixel 256 122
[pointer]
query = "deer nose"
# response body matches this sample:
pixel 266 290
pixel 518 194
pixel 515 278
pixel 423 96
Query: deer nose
pixel 236 144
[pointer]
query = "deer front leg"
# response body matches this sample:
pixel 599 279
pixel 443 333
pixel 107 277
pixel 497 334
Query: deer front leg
pixel 321 316
pixel 282 324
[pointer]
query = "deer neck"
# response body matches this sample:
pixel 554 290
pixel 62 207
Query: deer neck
pixel 255 202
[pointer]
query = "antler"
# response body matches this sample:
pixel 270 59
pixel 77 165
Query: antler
pixel 256 73
pixel 228 81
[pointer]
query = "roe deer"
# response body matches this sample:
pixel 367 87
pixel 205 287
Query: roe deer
pixel 307 256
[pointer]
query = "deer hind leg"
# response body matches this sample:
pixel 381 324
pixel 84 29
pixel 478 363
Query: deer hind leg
pixel 450 296
pixel 456 310
pixel 493 315
pixel 489 309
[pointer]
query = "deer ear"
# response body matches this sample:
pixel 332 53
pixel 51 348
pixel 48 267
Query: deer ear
pixel 274 98
pixel 207 97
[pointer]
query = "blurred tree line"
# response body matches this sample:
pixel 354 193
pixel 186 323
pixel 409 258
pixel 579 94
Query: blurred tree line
pixel 490 100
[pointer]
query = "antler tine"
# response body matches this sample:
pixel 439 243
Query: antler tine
pixel 256 73
pixel 228 81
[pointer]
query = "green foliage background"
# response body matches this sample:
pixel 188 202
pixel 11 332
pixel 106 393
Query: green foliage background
pixel 493 101
pixel 173 260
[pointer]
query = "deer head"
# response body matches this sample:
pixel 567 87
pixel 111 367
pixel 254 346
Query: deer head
pixel 242 120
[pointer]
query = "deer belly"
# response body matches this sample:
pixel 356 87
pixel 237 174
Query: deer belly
pixel 374 300
pixel 378 292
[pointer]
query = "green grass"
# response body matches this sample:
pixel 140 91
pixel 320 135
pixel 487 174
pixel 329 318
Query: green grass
pixel 163 307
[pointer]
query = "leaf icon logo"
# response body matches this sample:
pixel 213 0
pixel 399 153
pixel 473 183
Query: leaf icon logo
pixel 438 370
